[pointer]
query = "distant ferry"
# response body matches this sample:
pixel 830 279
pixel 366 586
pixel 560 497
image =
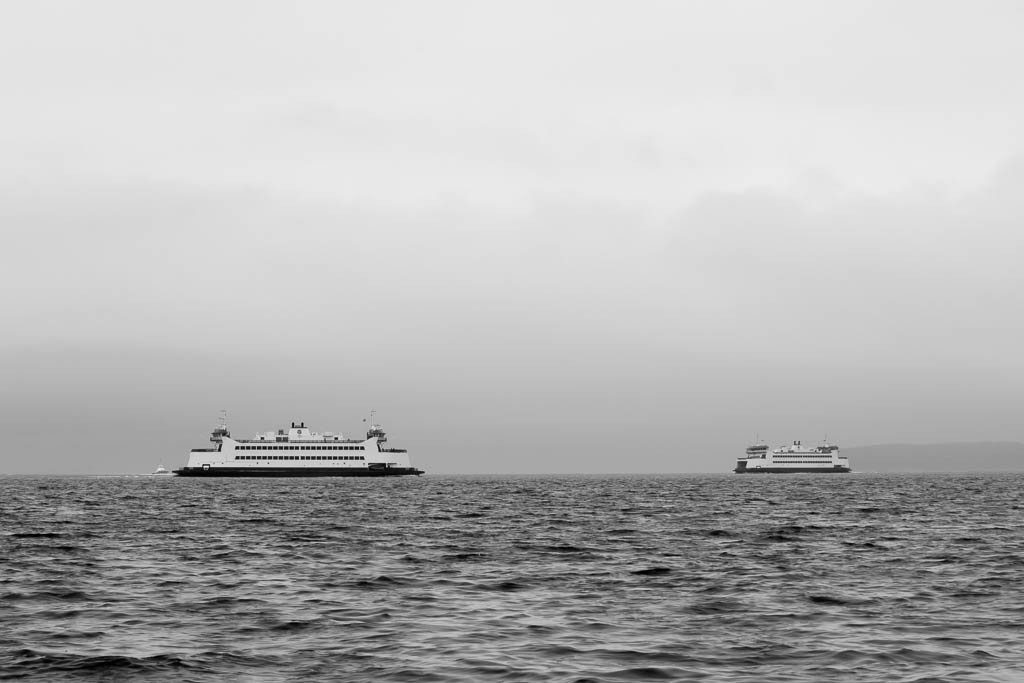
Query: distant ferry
pixel 297 452
pixel 760 459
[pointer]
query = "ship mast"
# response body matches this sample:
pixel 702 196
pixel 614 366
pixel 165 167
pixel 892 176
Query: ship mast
pixel 221 430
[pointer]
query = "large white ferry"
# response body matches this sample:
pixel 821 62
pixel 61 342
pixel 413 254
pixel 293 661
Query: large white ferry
pixel 760 459
pixel 297 452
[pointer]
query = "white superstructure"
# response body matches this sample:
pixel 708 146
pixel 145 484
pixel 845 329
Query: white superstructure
pixel 297 451
pixel 760 458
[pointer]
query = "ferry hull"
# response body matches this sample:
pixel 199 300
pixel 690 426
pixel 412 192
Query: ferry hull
pixel 296 472
pixel 791 470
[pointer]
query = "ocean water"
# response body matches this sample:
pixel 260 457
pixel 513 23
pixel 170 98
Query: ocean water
pixel 560 578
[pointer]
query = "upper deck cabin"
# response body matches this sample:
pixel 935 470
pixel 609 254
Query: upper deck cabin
pixel 299 433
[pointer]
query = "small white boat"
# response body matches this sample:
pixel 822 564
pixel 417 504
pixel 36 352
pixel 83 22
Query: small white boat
pixel 160 469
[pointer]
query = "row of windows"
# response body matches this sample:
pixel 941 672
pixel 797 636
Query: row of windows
pixel 300 457
pixel 300 448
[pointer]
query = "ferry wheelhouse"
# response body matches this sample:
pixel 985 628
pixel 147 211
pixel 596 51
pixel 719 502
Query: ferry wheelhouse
pixel 760 459
pixel 297 452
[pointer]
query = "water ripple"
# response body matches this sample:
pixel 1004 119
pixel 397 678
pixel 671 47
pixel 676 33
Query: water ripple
pixel 715 578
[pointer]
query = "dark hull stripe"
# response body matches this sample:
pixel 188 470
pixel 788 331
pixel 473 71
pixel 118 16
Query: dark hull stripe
pixel 787 470
pixel 295 472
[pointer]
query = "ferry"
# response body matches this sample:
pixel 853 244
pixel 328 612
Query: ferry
pixel 297 452
pixel 760 459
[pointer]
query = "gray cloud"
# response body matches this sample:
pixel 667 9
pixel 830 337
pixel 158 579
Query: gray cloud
pixel 587 237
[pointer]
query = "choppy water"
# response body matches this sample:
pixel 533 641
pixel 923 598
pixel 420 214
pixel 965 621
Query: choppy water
pixel 717 578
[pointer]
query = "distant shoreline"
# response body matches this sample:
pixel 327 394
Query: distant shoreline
pixel 968 456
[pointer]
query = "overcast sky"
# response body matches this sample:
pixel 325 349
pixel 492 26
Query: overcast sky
pixel 536 237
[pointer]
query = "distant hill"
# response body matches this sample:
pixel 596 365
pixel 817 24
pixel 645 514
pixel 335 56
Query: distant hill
pixel 997 456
